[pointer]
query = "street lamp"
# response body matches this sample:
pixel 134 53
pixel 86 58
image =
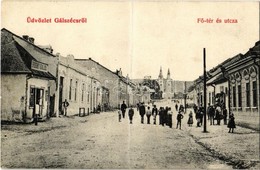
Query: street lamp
pixel 205 93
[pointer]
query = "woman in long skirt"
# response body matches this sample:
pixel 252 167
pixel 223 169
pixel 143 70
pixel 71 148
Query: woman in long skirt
pixel 190 120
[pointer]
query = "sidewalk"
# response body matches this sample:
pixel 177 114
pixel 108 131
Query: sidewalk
pixel 240 149
pixel 248 120
pixel 18 129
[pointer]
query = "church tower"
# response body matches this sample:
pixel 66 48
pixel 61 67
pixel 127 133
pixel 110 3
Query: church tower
pixel 168 88
pixel 168 74
pixel 160 80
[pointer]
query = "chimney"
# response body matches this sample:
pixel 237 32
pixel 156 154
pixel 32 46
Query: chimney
pixel 26 37
pixel 31 40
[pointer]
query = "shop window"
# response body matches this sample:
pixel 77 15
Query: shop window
pixel 254 94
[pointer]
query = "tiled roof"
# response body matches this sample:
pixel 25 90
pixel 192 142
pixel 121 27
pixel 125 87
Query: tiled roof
pixel 16 59
pixel 11 59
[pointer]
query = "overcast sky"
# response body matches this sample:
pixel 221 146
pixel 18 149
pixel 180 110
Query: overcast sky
pixel 139 37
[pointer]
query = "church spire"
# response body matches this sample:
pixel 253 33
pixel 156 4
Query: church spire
pixel 160 74
pixel 168 74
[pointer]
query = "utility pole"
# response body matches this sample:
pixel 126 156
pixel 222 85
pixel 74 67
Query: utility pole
pixel 205 93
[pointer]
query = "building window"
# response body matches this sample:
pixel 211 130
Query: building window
pixel 254 94
pixel 234 97
pixel 70 89
pixel 82 93
pixel 209 98
pixel 221 88
pixel 88 97
pixel 248 94
pixel 239 93
pixel 213 98
pixel 76 86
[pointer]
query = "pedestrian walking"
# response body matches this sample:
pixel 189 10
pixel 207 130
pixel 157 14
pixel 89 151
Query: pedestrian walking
pixel 195 108
pixel 148 114
pixel 119 114
pixel 208 111
pixel 154 113
pixel 123 109
pixel 164 116
pixel 160 115
pixel 137 106
pixel 218 116
pixel 131 114
pixel 198 118
pixel 211 115
pixel 225 115
pixel 176 107
pixel 231 123
pixel 169 115
pixel 179 117
pixel 142 112
pixel 65 106
pixel 190 119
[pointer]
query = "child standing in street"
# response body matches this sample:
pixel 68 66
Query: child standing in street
pixel 231 123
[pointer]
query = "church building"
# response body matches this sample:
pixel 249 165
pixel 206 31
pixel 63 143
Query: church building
pixel 166 85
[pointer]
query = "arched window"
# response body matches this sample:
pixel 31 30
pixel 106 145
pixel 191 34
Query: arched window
pixel 238 77
pixel 252 72
pixel 246 74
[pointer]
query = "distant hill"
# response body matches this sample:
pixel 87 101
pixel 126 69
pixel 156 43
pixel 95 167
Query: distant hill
pixel 179 86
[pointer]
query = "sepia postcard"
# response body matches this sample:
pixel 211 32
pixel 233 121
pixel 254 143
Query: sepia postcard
pixel 127 84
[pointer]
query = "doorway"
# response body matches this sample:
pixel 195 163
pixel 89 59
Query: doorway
pixel 61 95
pixel 36 101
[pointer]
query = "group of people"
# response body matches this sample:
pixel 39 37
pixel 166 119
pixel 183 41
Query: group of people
pixel 151 112
pixel 215 113
pixel 165 115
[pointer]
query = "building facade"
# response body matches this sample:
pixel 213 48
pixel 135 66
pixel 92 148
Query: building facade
pixel 244 82
pixel 25 81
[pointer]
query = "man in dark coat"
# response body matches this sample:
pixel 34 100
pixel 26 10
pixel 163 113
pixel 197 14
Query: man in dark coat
pixel 123 109
pixel 161 115
pixel 154 113
pixel 142 112
pixel 179 117
pixel 225 115
pixel 211 114
pixel 164 116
